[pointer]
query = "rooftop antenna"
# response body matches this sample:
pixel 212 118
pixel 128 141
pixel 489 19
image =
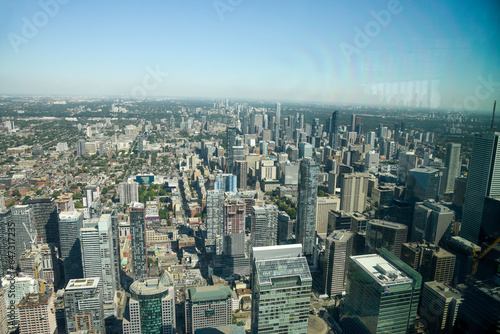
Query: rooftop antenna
pixel 493 117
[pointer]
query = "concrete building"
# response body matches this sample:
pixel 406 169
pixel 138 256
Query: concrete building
pixel 264 225
pixel 323 206
pixel 4 329
pixel 151 306
pixel 215 220
pixel 353 191
pixel 129 192
pixel 281 290
pixel 208 306
pixel 439 308
pixel 234 216
pixel 383 234
pixel 337 252
pixel 136 212
pixel 22 286
pixel 382 295
pixel 37 314
pixel 83 305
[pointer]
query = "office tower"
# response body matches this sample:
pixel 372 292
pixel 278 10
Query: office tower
pixel 382 295
pixel 83 305
pixel 432 262
pixel 5 223
pixel 305 150
pixel 208 306
pixel 453 165
pixel 264 225
pixel 234 216
pixel 370 139
pixel 46 219
pixel 92 202
pixel 337 252
pixel 129 192
pixel 215 220
pixel 480 308
pixel 371 161
pixel 382 196
pixel 80 147
pixel 483 181
pixel 264 148
pixel 151 306
pixel 439 308
pixel 289 173
pixel 353 122
pixel 277 123
pixel 3 313
pixel 459 191
pixel 138 237
pixel 285 227
pixel 98 258
pixel 353 191
pixel 281 290
pixel 241 174
pixel 383 234
pixel 430 221
pixel 37 314
pixel 70 223
pixel 339 220
pixel 230 142
pixel 323 206
pixel 332 182
pixel 15 289
pixel 423 183
pixel 226 182
pixel 24 227
pixel 334 128
pixel 407 161
pixel 306 215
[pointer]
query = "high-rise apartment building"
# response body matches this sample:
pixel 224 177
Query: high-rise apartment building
pixel 337 252
pixel 83 306
pixel 138 237
pixel 151 306
pixel 277 123
pixel 98 258
pixel 432 262
pixel 264 225
pixel 91 202
pixel 483 181
pixel 5 223
pixel 281 290
pixel 129 192
pixel 215 220
pixel 407 161
pixel 382 295
pixel 37 314
pixel 333 133
pixel 383 234
pixel 241 174
pixel 70 223
pixel 439 308
pixel 208 306
pixel 353 191
pixel 453 164
pixel 230 142
pixel 306 205
pixel 234 216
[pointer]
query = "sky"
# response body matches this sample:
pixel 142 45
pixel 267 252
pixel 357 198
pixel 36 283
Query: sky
pixel 437 54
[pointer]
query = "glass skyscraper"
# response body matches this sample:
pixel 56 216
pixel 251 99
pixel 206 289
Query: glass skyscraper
pixel 70 223
pixel 281 290
pixel 308 193
pixel 138 238
pixel 382 295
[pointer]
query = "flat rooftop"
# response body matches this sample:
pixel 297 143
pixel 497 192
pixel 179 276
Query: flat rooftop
pixel 382 271
pixel 82 283
pixel 208 293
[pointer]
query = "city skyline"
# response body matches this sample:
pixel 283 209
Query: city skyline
pixel 373 53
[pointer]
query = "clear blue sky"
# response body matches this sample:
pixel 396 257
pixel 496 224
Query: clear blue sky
pixel 433 53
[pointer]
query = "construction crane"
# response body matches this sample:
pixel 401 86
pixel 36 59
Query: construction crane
pixel 476 257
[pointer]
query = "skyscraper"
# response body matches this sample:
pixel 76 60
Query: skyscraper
pixel 151 306
pixel 353 191
pixel 337 252
pixel 129 192
pixel 430 221
pixel 215 221
pixel 277 124
pixel 453 165
pixel 382 295
pixel 308 193
pixel 230 142
pixel 483 180
pixel 383 234
pixel 241 174
pixel 98 257
pixel 208 306
pixel 46 219
pixel 423 183
pixel 3 313
pixel 439 308
pixel 281 290
pixel 234 216
pixel 25 230
pixel 83 305
pixel 138 237
pixel 333 133
pixel 37 314
pixel 264 225
pixel 5 223
pixel 70 223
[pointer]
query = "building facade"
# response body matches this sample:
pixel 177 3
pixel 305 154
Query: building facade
pixel 306 205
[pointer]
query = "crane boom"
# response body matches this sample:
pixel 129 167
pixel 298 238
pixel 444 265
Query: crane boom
pixel 476 257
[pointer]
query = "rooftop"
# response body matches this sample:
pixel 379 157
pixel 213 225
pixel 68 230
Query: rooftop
pixel 207 293
pixel 383 272
pixel 69 215
pixel 82 283
pixel 34 299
